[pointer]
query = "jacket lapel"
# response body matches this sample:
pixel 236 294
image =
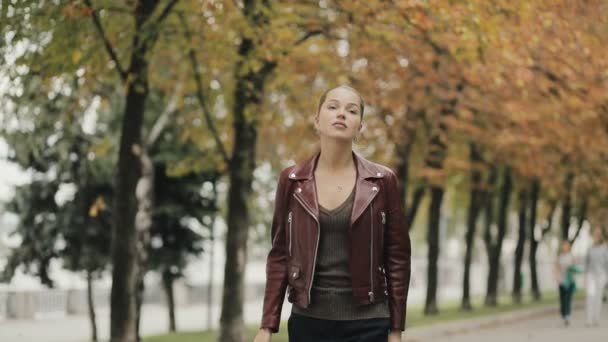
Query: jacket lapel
pixel 306 193
pixel 365 189
pixel 365 192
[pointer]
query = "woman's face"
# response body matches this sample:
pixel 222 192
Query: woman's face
pixel 340 115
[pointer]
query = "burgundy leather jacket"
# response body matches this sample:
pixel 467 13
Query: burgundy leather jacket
pixel 379 268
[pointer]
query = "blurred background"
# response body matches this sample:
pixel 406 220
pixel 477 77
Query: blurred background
pixel 140 144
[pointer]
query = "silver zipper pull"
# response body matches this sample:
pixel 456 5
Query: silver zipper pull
pixel 371 296
pixel 383 217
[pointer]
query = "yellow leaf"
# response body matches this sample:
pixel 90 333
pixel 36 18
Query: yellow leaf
pixel 76 55
pixel 97 206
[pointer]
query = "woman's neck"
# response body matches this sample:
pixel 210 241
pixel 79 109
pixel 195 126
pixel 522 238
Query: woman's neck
pixel 336 156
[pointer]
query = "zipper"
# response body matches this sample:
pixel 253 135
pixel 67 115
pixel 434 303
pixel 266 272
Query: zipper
pixel 290 234
pixel 371 256
pixel 382 244
pixel 314 261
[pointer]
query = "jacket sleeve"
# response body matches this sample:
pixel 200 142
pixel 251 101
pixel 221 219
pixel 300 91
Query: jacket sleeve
pixel 397 254
pixel 276 263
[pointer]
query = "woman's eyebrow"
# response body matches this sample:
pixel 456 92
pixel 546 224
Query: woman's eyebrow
pixel 349 104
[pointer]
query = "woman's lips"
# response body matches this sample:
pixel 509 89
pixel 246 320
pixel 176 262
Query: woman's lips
pixel 339 124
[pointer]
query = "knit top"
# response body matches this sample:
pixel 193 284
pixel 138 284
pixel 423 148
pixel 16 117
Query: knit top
pixel 331 293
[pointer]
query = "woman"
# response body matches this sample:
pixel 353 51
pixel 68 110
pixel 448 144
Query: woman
pixel 340 248
pixel 596 265
pixel 566 269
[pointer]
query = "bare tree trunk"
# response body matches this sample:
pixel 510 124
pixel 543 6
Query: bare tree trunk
pixel 534 195
pixel 567 206
pixel 168 280
pixel 404 150
pixel 519 249
pixel 582 216
pixel 430 307
pixel 124 238
pixel 211 266
pixel 91 306
pixel 473 214
pixel 494 266
pixel 249 89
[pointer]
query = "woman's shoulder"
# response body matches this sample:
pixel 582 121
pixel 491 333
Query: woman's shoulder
pixel 375 167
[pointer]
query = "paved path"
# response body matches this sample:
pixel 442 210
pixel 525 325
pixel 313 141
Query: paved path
pixel 535 325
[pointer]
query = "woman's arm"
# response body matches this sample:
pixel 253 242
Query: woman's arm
pixel 276 263
pixel 397 254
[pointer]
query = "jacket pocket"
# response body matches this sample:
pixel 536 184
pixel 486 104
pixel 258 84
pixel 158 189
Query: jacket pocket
pixel 291 294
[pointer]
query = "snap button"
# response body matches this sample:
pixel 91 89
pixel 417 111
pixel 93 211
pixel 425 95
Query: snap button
pixel 295 274
pixel 292 175
pixel 299 190
pixel 375 188
pixel 378 174
pixel 386 292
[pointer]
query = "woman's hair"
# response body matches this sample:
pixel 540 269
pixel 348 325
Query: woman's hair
pixel 324 96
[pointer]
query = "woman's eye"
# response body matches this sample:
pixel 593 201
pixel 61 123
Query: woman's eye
pixel 353 111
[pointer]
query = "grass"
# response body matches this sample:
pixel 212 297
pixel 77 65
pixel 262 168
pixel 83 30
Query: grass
pixel 449 311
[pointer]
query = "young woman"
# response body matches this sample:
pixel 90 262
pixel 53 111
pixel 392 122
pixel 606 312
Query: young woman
pixel 566 269
pixel 596 266
pixel 340 248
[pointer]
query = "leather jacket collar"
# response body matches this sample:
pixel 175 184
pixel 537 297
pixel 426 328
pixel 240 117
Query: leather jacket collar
pixel 365 187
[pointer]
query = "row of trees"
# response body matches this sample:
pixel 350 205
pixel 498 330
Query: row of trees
pixel 137 103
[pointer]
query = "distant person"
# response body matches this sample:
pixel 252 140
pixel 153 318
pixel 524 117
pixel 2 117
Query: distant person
pixel 566 269
pixel 596 267
pixel 340 246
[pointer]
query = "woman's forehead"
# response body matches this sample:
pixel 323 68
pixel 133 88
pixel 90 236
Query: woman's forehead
pixel 342 94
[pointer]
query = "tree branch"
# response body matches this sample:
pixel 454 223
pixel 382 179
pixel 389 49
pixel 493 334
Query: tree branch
pixel 163 119
pixel 106 42
pixel 200 93
pixel 165 12
pixel 307 35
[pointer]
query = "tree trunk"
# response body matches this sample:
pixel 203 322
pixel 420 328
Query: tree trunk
pixel 241 175
pixel 249 90
pixel 494 266
pixel 582 216
pixel 168 281
pixel 91 306
pixel 124 245
pixel 434 160
pixel 139 301
pixel 143 223
pixel 211 265
pixel 489 218
pixel 473 213
pixel 403 171
pixel 430 307
pixel 567 206
pixel 534 287
pixel 519 248
pixel 413 209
